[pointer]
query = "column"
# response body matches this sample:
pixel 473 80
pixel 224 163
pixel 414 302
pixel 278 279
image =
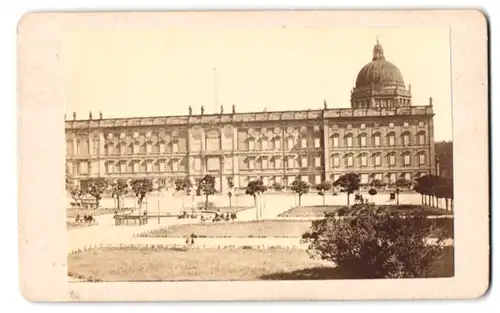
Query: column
pixel 235 158
pixel 100 156
pixel 326 151
pixel 188 150
pixel 432 151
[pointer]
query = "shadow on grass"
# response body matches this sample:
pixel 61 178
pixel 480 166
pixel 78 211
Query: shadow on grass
pixel 443 267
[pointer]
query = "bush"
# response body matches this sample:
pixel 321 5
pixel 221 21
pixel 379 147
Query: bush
pixel 374 243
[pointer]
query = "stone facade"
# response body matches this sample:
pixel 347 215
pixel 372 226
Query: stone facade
pixel 382 136
pixel 316 145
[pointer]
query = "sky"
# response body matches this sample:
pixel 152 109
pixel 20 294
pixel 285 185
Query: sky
pixel 158 72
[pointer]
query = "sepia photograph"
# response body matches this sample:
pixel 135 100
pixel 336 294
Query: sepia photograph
pixel 268 153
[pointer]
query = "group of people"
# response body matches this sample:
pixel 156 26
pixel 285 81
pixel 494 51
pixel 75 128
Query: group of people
pixel 87 218
pixel 224 217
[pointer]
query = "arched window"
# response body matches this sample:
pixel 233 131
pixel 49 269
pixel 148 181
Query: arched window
pixel 251 143
pixel 335 140
pixel 376 139
pixel 131 167
pixel 106 149
pixel 277 143
pixel 391 139
pixel 362 140
pixel 421 138
pixel 405 138
pixel 348 140
pixel 130 149
pixel 263 143
pixel 290 143
pixel 118 150
pixel 335 160
pixel 349 160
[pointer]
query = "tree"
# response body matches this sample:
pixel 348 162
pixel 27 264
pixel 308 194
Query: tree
pixel 206 186
pixel 97 186
pixel 75 192
pixel 141 187
pixel 183 184
pixel 230 185
pixel 300 187
pixel 256 188
pixel 119 188
pixel 372 242
pixel 372 192
pixel 349 184
pixel 322 189
pixel 401 183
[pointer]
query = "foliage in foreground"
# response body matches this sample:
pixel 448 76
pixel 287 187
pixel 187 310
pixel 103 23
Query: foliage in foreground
pixel 375 243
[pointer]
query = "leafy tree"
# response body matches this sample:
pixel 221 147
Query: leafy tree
pixel 372 192
pixel 372 242
pixel 97 186
pixel 206 186
pixel 300 187
pixel 349 183
pixel 141 188
pixel 183 184
pixel 255 188
pixel 119 189
pixel 230 185
pixel 323 188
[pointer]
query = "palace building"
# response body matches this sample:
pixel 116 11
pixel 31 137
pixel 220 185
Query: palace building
pixel 383 135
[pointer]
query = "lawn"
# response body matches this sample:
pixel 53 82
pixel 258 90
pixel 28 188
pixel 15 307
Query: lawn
pixel 319 211
pixel 238 229
pixel 269 228
pixel 141 264
pixel 72 212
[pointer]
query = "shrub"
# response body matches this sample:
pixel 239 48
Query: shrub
pixel 374 243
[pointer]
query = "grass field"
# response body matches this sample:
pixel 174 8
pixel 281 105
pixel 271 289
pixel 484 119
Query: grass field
pixel 319 211
pixel 140 264
pixel 238 229
pixel 269 228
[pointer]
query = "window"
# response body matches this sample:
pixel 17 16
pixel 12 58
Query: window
pixel 303 143
pixel 290 143
pixel 392 140
pixel 391 125
pixel 364 178
pixel 265 180
pixel 197 164
pixel 406 124
pixel 143 148
pixel 304 161
pixel 95 146
pixel 317 179
pixel 149 167
pixel 336 141
pixel 348 141
pixel 175 165
pixel 377 160
pixel 251 144
pixel 421 124
pixel 364 160
pixel 161 147
pixel 363 126
pixel 406 159
pixel 304 178
pixel 406 139
pixel 277 143
pixel 277 163
pixel 407 176
pixel 264 144
pixel 392 178
pixel 349 126
pixel 109 168
pixel 349 161
pixel 362 141
pixel 317 161
pixel 277 179
pixel 392 160
pixel 291 162
pixel 264 163
pixel 131 167
pixel 336 161
pixel 421 159
pixel 376 140
pixel 175 147
pixel 143 167
pixel 421 139
pixel 317 143
pixel 251 163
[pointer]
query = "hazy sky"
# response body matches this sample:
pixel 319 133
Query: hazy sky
pixel 157 72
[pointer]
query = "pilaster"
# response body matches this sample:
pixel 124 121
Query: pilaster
pixel 326 150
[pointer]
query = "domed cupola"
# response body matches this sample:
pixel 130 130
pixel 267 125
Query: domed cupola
pixel 380 84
